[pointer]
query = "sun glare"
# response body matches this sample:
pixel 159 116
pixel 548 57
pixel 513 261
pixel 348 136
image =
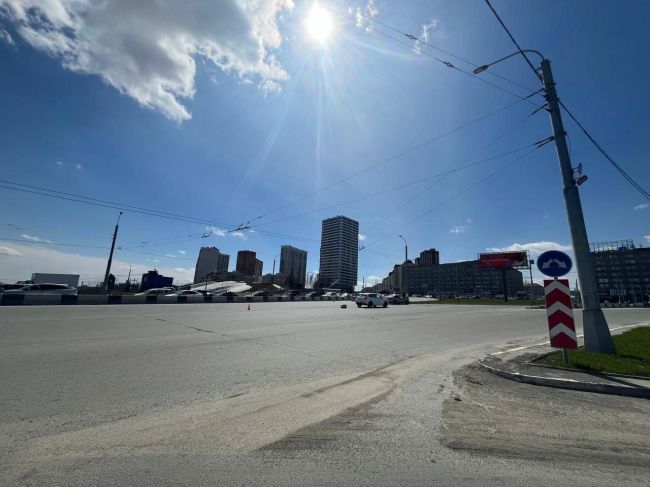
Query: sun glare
pixel 319 23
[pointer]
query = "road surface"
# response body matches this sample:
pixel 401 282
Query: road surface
pixel 302 393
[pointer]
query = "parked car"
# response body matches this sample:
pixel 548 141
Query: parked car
pixel 229 293
pixel 9 287
pixel 188 292
pixel 45 289
pixel 155 291
pixel 331 295
pixel 315 294
pixel 397 299
pixel 259 294
pixel 371 300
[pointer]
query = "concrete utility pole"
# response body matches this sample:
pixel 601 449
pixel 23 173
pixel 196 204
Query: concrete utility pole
pixel 110 256
pixel 597 335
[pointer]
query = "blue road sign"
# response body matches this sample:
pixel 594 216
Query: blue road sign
pixel 554 263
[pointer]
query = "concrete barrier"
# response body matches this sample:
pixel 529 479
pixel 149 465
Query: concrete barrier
pixel 96 299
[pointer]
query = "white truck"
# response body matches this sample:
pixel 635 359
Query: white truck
pixel 44 278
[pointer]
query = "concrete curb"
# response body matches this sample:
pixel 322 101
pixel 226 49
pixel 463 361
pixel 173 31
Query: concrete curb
pixel 92 299
pixel 496 365
pixel 569 384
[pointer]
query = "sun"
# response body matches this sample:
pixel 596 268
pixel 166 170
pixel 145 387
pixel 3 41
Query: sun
pixel 319 23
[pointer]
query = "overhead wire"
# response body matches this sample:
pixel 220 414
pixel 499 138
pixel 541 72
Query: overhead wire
pixel 372 20
pixel 382 162
pixel 459 193
pixel 609 158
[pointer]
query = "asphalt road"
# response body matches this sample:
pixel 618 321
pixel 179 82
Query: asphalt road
pixel 284 394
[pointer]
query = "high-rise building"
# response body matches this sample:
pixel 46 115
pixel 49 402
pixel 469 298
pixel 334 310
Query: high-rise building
pixel 258 268
pixel 293 266
pixel 429 257
pixel 339 253
pixel 246 262
pixel 210 262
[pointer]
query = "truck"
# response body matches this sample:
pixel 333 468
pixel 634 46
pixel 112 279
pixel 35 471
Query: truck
pixel 45 278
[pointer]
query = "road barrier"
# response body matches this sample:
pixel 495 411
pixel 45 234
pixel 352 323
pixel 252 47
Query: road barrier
pixel 93 299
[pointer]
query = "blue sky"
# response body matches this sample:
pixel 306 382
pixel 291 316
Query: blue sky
pixel 224 113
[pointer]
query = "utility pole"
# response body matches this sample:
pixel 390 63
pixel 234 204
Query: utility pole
pixel 530 269
pixel 597 335
pixel 110 256
pixel 406 259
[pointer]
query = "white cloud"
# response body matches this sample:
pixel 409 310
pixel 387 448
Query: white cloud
pixel 78 167
pixel 171 256
pixel 46 259
pixel 535 248
pixel 6 37
pixel 364 15
pixel 148 49
pixel 9 252
pixel 647 237
pixel 425 33
pixel 642 206
pixel 238 234
pixel 469 221
pixel 219 232
pixel 34 238
pixel 458 229
pixel 182 252
pixel 362 237
pixel 60 163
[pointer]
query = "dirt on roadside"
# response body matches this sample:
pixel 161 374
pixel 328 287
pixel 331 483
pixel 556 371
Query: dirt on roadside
pixel 502 417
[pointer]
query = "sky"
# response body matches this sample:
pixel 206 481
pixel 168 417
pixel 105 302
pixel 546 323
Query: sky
pixel 235 116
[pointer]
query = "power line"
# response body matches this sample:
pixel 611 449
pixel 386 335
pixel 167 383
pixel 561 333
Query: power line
pixel 382 162
pixel 51 193
pixel 611 160
pixel 511 128
pixel 439 60
pixel 514 41
pixel 461 192
pixel 401 186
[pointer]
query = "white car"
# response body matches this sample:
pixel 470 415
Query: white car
pixel 45 289
pixel 154 291
pixel 371 300
pixel 186 292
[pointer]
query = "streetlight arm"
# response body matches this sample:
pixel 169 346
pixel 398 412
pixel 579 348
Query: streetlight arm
pixel 480 69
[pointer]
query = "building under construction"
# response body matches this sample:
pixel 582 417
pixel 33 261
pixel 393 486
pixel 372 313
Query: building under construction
pixel 622 270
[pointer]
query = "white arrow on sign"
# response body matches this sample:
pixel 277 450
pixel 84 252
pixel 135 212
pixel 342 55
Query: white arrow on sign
pixel 557 262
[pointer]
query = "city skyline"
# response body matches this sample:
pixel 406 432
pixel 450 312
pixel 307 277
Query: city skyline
pixel 257 153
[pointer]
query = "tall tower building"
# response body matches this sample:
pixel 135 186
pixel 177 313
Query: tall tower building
pixel 210 261
pixel 339 253
pixel 293 266
pixel 246 262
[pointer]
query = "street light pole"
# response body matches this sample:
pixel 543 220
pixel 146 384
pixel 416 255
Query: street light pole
pixel 597 336
pixel 406 259
pixel 110 256
pixel 596 331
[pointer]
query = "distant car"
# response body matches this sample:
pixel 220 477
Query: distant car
pixel 44 290
pixel 331 295
pixel 397 299
pixel 315 294
pixel 155 291
pixel 259 294
pixel 371 300
pixel 205 293
pixel 229 293
pixel 187 292
pixel 9 287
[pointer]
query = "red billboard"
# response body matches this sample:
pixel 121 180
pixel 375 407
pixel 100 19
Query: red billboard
pixel 503 260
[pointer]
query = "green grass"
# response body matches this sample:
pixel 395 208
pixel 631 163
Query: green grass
pixel 632 357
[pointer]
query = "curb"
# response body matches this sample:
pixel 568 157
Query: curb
pixel 569 384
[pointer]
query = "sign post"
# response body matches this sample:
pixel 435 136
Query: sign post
pixel 561 325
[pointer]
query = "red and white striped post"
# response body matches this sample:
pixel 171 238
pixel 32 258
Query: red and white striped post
pixel 561 326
